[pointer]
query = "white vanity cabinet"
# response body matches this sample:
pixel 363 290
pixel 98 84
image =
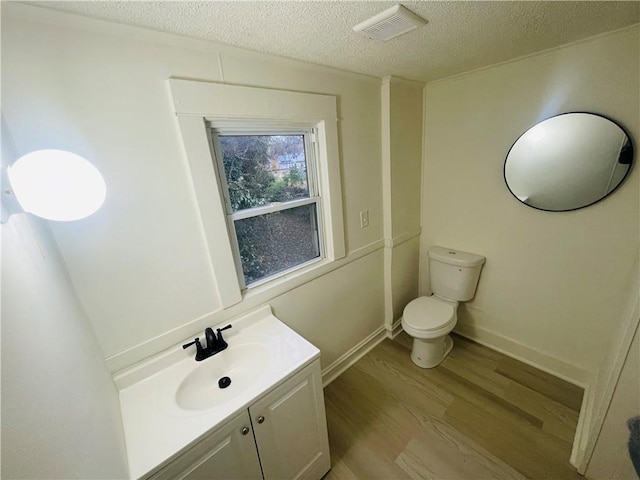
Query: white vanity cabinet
pixel 290 428
pixel 282 435
pixel 227 453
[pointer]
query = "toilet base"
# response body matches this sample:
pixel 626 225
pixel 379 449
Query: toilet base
pixel 429 353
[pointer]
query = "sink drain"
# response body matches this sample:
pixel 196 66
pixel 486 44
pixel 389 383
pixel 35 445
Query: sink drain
pixel 224 382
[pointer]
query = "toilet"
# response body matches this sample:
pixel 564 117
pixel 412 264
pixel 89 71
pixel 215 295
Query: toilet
pixel 429 320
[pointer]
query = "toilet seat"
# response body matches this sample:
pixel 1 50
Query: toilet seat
pixel 428 316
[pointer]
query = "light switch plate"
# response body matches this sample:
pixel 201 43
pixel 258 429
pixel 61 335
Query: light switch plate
pixel 364 218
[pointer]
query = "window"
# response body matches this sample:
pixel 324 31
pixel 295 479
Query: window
pixel 265 170
pixel 272 199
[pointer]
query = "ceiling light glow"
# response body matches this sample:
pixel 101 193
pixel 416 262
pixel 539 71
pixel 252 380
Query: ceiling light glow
pixel 57 185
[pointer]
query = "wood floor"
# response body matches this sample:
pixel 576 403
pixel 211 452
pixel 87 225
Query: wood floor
pixel 477 415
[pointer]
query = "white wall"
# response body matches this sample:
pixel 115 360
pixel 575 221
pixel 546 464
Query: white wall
pixel 555 284
pixel 140 264
pixel 406 106
pixel 60 411
pixel 402 129
pixel 611 456
pixel 600 391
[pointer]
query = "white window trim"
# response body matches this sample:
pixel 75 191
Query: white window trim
pixel 198 105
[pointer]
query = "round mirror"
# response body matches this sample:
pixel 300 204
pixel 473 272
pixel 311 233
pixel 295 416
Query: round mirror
pixel 568 162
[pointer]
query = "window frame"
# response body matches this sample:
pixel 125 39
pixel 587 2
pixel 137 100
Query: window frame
pixel 309 134
pixel 197 104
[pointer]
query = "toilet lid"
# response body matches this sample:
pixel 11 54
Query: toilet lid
pixel 427 313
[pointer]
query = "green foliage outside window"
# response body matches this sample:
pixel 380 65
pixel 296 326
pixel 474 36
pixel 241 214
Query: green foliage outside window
pixel 260 170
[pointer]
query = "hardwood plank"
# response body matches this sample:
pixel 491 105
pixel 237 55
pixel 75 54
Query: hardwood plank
pixel 533 452
pixel 477 349
pixel 361 454
pixel 542 382
pixel 474 416
pixel 367 428
pixel 454 384
pixel 401 379
pixel 440 452
pixel 489 401
pixel 477 371
pixel 475 363
pixel 557 419
pixel 339 471
pixel 362 404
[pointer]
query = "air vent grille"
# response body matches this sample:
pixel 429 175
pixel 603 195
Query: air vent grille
pixel 389 24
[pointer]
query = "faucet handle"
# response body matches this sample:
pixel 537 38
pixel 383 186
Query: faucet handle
pixel 196 342
pixel 223 328
pixel 220 339
pixel 200 353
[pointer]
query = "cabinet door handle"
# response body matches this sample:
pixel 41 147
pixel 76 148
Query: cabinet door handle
pixel 244 430
pixel 260 419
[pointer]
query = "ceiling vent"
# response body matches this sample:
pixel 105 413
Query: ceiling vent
pixel 389 24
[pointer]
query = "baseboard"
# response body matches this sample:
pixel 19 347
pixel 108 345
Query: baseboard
pixel 540 360
pixel 396 328
pixel 578 450
pixel 333 371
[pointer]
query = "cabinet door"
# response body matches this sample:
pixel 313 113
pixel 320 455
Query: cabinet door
pixel 228 453
pixel 290 428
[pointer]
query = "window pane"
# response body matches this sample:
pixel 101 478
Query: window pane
pixel 262 169
pixel 277 241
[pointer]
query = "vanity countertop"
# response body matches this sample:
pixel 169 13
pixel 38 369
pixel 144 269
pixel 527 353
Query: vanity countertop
pixel 159 422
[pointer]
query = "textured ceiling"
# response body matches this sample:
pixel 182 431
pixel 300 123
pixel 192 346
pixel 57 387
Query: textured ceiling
pixel 460 35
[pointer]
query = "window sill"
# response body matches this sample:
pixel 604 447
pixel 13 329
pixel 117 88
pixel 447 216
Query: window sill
pixel 296 277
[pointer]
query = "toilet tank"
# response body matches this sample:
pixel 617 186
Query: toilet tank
pixel 454 274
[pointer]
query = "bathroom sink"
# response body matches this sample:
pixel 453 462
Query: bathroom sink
pixel 242 364
pixel 171 400
pixel 193 387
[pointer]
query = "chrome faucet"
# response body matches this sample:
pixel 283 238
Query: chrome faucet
pixel 215 344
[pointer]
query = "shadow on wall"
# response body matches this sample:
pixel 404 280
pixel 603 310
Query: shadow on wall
pixel 634 442
pixel 469 316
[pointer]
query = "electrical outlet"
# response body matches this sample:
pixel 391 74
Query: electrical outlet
pixel 364 218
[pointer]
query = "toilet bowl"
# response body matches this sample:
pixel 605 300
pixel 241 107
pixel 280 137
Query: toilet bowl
pixel 429 320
